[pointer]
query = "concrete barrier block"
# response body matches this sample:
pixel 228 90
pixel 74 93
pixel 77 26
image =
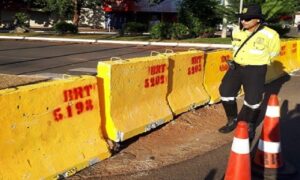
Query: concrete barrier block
pixel 215 69
pixel 134 96
pixel 186 78
pixel 50 129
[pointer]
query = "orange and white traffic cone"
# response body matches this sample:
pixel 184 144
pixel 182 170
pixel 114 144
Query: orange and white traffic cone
pixel 268 160
pixel 239 160
pixel 268 153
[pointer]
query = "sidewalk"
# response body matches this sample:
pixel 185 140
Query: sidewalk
pixel 147 43
pixel 97 31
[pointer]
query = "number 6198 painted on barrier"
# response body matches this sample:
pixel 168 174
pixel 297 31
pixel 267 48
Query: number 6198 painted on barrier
pixel 70 110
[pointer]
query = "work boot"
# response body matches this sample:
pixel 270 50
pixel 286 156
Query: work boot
pixel 230 126
pixel 230 108
pixel 249 115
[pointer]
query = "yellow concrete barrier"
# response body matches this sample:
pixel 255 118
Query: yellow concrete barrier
pixel 50 130
pixel 215 69
pixel 186 77
pixel 292 55
pixel 298 51
pixel 280 65
pixel 287 56
pixel 134 95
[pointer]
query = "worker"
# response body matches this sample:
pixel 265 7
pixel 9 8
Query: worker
pixel 254 46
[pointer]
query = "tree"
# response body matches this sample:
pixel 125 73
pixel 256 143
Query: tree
pixel 199 16
pixel 64 9
pixel 272 9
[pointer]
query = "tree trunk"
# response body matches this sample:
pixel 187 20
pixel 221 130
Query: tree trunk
pixel 224 26
pixel 76 14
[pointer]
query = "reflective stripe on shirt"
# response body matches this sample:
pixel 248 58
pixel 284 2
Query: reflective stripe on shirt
pixel 267 33
pixel 255 51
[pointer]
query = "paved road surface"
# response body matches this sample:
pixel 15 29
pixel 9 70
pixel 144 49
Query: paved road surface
pixel 25 57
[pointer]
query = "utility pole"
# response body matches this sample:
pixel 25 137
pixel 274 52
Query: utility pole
pixel 241 9
pixel 225 21
pixel 241 6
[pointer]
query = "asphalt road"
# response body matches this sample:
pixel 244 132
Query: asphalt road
pixel 26 57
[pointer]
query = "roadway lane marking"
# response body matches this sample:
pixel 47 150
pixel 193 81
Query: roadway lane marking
pixel 89 70
pixel 53 75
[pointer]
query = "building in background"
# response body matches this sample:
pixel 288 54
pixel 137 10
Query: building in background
pixel 166 11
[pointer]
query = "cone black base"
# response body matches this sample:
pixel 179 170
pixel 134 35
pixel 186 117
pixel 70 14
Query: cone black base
pixel 285 172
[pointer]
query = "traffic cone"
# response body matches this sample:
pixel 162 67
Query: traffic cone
pixel 239 160
pixel 268 153
pixel 268 161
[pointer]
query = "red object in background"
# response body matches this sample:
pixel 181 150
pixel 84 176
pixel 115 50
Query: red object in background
pixel 130 6
pixel 286 17
pixel 107 8
pixel 119 5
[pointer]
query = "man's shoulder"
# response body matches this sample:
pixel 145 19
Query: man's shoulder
pixel 270 30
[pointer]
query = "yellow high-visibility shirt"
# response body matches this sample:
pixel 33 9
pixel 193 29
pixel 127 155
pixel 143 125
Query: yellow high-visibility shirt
pixel 259 49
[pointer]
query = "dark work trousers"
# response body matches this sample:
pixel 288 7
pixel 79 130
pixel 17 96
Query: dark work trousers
pixel 251 77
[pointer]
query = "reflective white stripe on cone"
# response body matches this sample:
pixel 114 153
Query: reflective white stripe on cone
pixel 268 162
pixel 239 160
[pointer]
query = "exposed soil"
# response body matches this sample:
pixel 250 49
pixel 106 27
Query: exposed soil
pixel 189 135
pixel 8 81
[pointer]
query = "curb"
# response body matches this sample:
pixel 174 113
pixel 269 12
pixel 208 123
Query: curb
pixel 147 43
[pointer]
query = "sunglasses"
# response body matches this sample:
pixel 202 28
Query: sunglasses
pixel 246 19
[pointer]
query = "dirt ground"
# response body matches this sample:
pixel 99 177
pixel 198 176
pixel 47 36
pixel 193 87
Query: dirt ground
pixel 188 135
pixel 9 81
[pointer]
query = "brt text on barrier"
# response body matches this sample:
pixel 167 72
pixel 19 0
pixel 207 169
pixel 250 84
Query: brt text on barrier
pixel 294 48
pixel 196 65
pixel 283 50
pixel 224 65
pixel 157 76
pixel 80 106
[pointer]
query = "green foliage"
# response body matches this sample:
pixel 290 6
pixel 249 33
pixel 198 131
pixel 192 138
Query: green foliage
pixel 207 32
pixel 21 19
pixel 91 3
pixel 135 27
pixel 161 31
pixel 64 27
pixel 205 11
pixel 168 31
pixel 179 31
pixel 197 27
pixel 62 8
pixel 199 15
pixel 272 9
pixel 281 30
pixel 66 9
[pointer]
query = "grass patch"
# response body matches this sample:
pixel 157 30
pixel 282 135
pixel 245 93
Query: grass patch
pixel 120 38
pixel 216 40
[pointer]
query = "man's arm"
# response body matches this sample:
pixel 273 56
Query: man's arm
pixel 274 46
